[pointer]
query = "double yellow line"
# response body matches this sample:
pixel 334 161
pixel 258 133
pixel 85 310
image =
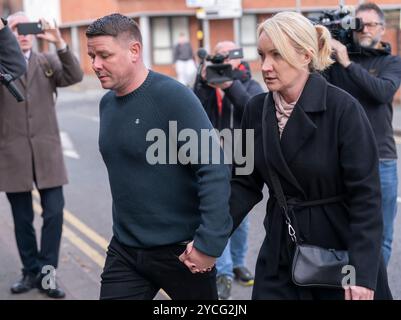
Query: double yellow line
pixel 76 240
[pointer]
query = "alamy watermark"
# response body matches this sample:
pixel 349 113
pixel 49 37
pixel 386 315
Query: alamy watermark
pixel 49 277
pixel 350 276
pixel 188 146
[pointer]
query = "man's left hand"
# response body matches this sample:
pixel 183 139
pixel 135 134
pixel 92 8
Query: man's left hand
pixel 341 53
pixel 52 34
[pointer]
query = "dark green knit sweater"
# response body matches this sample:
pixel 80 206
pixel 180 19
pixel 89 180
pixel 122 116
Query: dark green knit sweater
pixel 161 204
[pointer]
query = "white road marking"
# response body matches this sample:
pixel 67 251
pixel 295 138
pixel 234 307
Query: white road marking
pixel 68 146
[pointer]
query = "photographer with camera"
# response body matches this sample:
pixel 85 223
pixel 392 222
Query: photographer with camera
pixel 372 75
pixel 31 152
pixel 224 102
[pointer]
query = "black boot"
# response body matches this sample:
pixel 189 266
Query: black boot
pixel 55 293
pixel 27 283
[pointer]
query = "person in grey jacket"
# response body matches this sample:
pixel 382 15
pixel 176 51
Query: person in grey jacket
pixel 184 61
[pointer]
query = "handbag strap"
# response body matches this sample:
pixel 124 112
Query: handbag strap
pixel 278 190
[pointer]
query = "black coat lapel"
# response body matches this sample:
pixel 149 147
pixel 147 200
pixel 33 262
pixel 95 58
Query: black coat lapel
pixel 271 143
pixel 300 128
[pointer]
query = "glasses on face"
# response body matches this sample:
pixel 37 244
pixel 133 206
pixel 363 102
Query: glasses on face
pixel 372 25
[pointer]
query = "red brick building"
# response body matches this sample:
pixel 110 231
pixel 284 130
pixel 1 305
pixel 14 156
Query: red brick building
pixel 162 20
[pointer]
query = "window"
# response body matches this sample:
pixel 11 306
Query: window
pixel 248 37
pixel 165 32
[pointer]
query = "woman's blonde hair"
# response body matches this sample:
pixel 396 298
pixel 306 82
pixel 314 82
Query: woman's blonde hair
pixel 291 29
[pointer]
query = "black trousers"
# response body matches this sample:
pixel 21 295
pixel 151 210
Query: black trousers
pixel 138 274
pixel 52 202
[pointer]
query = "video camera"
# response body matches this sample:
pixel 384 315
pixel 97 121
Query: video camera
pixel 341 24
pixel 218 71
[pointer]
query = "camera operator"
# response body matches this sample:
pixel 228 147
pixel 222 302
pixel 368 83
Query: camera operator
pixel 31 152
pixel 224 104
pixel 12 61
pixel 372 75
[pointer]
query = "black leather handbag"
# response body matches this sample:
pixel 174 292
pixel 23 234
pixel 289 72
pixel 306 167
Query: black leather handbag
pixel 312 266
pixel 318 267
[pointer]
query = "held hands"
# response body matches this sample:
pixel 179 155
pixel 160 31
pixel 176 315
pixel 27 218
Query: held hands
pixel 358 293
pixel 195 260
pixel 52 34
pixel 341 53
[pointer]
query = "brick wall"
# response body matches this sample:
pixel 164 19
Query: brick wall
pixel 78 10
pixel 85 59
pixel 81 10
pixel 128 6
pixel 220 30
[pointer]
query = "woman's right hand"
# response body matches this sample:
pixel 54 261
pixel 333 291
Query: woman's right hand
pixel 358 293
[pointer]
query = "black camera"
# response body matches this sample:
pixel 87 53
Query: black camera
pixel 30 28
pixel 341 25
pixel 218 71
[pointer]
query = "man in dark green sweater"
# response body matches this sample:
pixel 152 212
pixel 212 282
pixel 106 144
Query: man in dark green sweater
pixel 170 220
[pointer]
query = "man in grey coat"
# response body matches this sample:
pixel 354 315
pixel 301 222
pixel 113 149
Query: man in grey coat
pixel 31 154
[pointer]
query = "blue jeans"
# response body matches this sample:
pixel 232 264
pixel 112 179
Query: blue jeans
pixel 389 184
pixel 235 251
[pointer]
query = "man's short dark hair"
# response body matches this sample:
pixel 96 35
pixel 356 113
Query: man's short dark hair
pixel 372 6
pixel 114 25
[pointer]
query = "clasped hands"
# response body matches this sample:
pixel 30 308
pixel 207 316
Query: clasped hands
pixel 195 260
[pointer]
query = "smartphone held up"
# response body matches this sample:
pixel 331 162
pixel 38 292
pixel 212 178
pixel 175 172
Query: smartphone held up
pixel 30 28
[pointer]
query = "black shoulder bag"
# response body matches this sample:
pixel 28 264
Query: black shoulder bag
pixel 312 266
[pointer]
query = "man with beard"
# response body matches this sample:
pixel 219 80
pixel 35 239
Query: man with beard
pixel 372 75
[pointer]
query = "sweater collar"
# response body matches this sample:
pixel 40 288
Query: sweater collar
pixel 138 90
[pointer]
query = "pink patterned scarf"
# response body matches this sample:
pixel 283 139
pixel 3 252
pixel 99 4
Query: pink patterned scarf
pixel 283 110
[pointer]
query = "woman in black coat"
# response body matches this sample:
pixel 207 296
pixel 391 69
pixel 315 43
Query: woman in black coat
pixel 318 140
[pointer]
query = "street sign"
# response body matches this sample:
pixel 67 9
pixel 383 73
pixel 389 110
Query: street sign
pixel 199 3
pixel 48 9
pixel 221 9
